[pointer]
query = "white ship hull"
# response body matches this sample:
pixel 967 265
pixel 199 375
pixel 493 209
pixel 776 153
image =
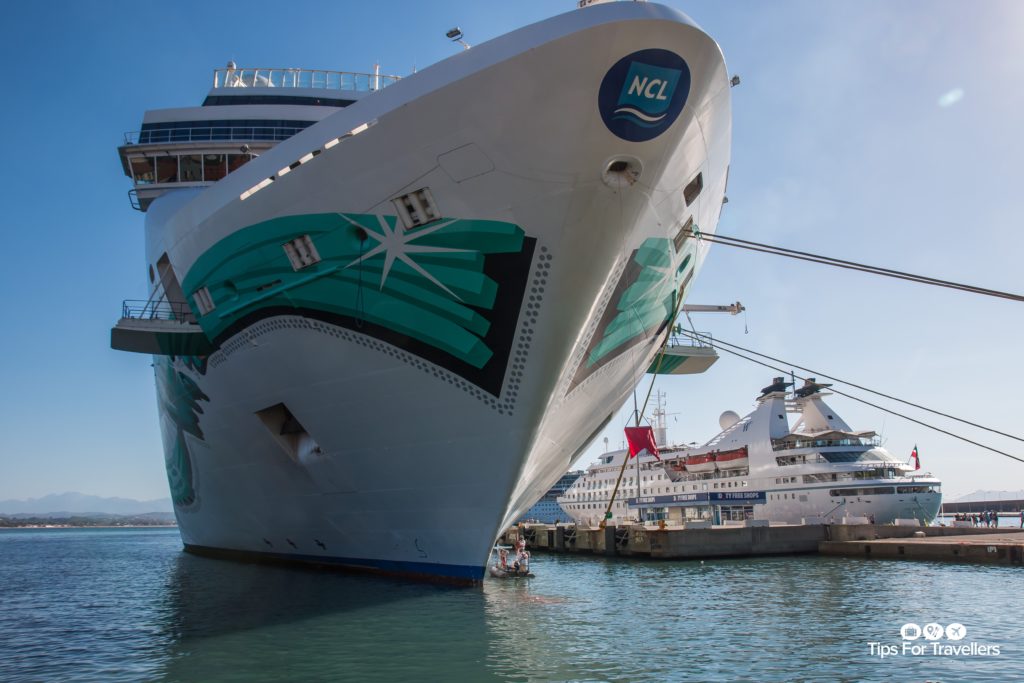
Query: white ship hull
pixel 407 444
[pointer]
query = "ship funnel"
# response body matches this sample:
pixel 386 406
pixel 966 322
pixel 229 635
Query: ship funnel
pixel 810 387
pixel 778 384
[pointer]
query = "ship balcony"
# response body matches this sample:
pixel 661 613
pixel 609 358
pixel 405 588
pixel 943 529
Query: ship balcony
pixel 685 355
pixel 162 328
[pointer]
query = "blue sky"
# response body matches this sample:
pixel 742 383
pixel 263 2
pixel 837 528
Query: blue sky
pixel 849 140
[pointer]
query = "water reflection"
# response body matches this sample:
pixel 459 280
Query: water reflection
pixel 251 622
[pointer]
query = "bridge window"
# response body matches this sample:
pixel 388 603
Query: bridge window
pixel 236 161
pixel 143 171
pixel 214 167
pixel 167 169
pixel 190 168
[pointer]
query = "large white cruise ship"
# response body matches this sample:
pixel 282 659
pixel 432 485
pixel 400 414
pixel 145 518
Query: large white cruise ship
pixel 760 467
pixel 386 313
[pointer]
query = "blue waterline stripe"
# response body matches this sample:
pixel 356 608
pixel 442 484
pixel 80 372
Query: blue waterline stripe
pixel 456 572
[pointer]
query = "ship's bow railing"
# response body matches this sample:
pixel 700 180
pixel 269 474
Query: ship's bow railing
pixel 138 309
pixel 159 327
pixel 683 337
pixel 300 78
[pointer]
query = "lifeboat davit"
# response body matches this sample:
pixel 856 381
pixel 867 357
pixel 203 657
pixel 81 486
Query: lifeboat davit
pixel 734 459
pixel 704 462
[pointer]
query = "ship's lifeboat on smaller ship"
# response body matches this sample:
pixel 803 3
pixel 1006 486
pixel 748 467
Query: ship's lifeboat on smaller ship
pixel 705 462
pixel 734 459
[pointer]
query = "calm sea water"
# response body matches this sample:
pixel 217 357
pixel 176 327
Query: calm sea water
pixel 128 605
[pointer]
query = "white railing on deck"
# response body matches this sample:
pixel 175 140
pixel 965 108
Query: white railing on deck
pixel 211 133
pixel 300 78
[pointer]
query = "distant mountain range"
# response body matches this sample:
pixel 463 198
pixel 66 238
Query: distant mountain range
pixel 989 495
pixel 73 503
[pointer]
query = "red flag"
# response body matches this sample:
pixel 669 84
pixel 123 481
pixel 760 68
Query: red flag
pixel 916 457
pixel 641 438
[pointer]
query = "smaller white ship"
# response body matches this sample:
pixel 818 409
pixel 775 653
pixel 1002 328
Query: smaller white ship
pixel 817 470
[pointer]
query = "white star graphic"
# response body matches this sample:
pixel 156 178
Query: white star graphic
pixel 398 244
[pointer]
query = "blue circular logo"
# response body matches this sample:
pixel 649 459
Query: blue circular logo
pixel 642 95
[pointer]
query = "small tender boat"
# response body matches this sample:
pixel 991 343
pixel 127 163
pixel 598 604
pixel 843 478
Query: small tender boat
pixel 705 462
pixel 510 566
pixel 734 459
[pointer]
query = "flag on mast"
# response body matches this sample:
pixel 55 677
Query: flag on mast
pixel 641 439
pixel 916 457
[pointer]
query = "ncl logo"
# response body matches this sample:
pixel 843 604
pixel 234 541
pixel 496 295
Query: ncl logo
pixel 643 94
pixel 646 94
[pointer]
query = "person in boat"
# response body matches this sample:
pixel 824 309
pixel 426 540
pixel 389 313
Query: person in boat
pixel 521 565
pixel 503 558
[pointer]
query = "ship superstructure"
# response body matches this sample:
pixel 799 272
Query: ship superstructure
pixel 817 470
pixel 387 313
pixel 547 509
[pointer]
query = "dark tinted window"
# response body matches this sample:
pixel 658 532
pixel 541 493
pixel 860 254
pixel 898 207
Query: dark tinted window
pixel 914 489
pixel 214 166
pixel 865 491
pixel 142 170
pixel 234 129
pixel 235 161
pixel 842 456
pixel 222 100
pixel 693 189
pixel 191 168
pixel 167 169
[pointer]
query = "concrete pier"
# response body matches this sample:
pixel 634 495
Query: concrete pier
pixel 760 539
pixel 1004 547
pixel 670 542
